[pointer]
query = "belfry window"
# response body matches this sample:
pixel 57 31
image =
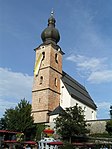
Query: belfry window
pixel 55 82
pixel 41 79
pixel 43 54
pixel 56 58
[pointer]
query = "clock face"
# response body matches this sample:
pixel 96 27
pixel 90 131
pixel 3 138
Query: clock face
pixel 38 63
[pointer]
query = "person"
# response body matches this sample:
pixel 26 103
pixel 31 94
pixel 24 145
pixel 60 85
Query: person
pixel 28 146
pixel 19 146
pixel 5 146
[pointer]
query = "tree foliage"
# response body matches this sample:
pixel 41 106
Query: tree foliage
pixel 109 123
pixel 39 130
pixel 19 118
pixel 109 127
pixel 71 123
pixel 2 124
pixel 111 112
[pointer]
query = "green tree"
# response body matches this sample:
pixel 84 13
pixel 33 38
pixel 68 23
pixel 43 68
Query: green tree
pixel 71 123
pixel 109 123
pixel 20 119
pixel 111 112
pixel 39 130
pixel 2 124
pixel 109 127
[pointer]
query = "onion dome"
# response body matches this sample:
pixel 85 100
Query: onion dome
pixel 50 34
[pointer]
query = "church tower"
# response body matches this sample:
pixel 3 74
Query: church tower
pixel 47 74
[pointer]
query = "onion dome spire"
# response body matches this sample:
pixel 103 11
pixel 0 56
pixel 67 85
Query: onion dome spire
pixel 50 34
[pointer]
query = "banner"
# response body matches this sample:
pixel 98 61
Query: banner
pixel 37 65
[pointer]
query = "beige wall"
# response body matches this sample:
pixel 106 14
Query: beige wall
pixel 97 126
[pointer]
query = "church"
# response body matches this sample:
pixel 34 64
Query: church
pixel 53 89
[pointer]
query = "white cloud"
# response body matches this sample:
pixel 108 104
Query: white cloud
pixel 91 64
pixel 100 76
pixel 94 69
pixel 13 87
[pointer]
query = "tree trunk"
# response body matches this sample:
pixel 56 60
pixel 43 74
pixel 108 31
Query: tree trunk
pixel 70 140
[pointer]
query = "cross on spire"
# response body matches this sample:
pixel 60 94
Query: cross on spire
pixel 52 13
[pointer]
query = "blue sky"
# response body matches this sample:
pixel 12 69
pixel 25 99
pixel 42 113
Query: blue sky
pixel 86 38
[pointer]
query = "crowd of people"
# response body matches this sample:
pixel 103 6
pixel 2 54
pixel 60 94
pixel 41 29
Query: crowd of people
pixel 17 146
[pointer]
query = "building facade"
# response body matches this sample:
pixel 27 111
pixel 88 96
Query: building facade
pixel 52 86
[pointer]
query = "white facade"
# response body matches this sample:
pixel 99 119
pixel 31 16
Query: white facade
pixel 65 98
pixel 90 114
pixel 52 120
pixel 67 101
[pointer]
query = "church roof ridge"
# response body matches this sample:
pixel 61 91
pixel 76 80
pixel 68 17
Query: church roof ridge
pixel 57 110
pixel 77 91
pixel 72 79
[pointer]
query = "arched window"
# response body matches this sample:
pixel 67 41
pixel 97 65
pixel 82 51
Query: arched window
pixel 41 79
pixel 55 82
pixel 39 100
pixel 43 53
pixel 56 58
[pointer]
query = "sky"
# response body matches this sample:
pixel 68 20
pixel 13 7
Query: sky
pixel 85 28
